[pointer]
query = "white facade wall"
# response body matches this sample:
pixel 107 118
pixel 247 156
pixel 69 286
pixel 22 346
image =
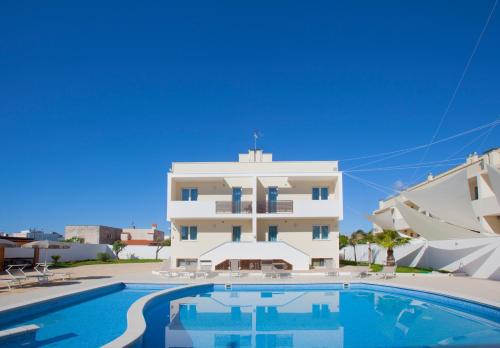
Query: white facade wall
pixel 76 252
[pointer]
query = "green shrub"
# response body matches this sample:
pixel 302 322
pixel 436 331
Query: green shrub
pixel 104 257
pixel 55 259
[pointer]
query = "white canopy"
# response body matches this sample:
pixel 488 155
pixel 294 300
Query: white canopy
pixel 431 228
pixel 383 220
pixel 494 176
pixel 448 199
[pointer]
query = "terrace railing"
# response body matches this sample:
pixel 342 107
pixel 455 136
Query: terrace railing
pixel 279 206
pixel 228 207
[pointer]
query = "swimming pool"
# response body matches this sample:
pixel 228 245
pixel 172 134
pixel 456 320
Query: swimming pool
pixel 307 315
pixel 319 316
pixel 89 319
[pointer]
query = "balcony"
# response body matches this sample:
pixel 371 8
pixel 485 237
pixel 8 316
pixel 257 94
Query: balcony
pixel 229 207
pixel 301 208
pixel 274 207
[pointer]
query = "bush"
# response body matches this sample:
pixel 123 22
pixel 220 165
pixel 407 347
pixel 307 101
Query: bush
pixel 104 257
pixel 56 258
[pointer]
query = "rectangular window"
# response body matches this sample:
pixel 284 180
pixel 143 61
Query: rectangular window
pixel 189 232
pixel 315 194
pixel 316 232
pixel 272 199
pixel 189 194
pixel 182 263
pixel 193 233
pixel 273 234
pixel 319 193
pixel 321 232
pixel 236 233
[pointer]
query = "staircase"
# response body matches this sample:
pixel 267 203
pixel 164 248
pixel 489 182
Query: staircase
pixel 258 251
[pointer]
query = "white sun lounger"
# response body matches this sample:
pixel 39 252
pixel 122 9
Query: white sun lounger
pixel 330 269
pixel 166 269
pixel 268 270
pixel 43 270
pixel 388 272
pixel 205 269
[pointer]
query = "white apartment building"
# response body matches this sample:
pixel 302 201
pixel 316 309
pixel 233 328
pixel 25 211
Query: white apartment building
pixel 466 196
pixel 255 210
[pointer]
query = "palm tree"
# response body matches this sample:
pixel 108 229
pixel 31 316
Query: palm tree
pixel 390 239
pixel 356 238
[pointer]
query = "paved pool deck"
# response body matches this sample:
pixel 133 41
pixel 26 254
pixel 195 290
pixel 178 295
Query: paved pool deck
pixel 83 277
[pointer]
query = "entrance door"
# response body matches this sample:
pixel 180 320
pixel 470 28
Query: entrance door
pixel 236 233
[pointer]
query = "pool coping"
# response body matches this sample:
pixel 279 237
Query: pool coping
pixel 136 323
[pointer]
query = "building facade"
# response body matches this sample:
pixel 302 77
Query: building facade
pixel 463 196
pixel 93 234
pixel 255 210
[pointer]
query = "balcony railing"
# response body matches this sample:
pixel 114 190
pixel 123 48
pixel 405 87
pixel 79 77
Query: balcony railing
pixel 271 207
pixel 228 207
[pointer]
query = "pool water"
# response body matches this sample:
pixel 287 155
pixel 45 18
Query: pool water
pixel 362 316
pixel 99 317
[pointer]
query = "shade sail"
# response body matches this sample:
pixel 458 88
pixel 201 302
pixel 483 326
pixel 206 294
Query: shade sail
pixel 494 176
pixel 383 220
pixel 431 228
pixel 448 199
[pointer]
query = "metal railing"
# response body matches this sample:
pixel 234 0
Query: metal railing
pixel 265 207
pixel 228 207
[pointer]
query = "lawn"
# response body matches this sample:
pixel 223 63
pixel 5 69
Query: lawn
pixel 377 268
pixel 99 262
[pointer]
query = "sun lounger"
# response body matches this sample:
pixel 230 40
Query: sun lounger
pixel 268 270
pixel 189 271
pixel 205 269
pixel 363 271
pixel 166 269
pixel 388 272
pixel 234 267
pixel 16 273
pixel 330 269
pixel 42 269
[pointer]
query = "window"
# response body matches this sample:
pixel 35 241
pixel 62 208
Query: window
pixel 273 234
pixel 189 194
pixel 272 199
pixel 189 232
pixel 236 233
pixel 321 232
pixel 319 193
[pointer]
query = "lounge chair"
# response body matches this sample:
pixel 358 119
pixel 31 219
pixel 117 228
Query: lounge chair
pixel 267 270
pixel 205 269
pixel 330 269
pixel 16 273
pixel 166 269
pixel 189 271
pixel 388 272
pixel 363 271
pixel 42 269
pixel 234 267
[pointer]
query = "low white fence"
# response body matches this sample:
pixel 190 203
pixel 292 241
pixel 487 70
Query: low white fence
pixel 478 257
pixel 78 252
pixel 144 252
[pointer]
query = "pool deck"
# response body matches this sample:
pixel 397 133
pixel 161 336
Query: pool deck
pixel 84 277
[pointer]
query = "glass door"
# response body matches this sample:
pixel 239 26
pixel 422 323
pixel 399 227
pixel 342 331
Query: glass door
pixel 272 199
pixel 236 200
pixel 236 233
pixel 272 234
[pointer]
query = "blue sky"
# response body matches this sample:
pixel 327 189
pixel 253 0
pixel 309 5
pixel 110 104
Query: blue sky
pixel 98 98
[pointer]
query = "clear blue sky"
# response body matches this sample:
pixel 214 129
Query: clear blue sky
pixel 98 98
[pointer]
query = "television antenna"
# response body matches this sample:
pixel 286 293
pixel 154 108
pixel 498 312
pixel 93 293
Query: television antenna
pixel 256 135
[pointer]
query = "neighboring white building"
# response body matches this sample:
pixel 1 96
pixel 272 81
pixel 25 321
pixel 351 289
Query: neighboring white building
pixel 465 196
pixel 454 219
pixel 255 210
pixel 35 234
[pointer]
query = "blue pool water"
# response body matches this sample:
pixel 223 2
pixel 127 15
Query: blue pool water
pixel 88 320
pixel 320 316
